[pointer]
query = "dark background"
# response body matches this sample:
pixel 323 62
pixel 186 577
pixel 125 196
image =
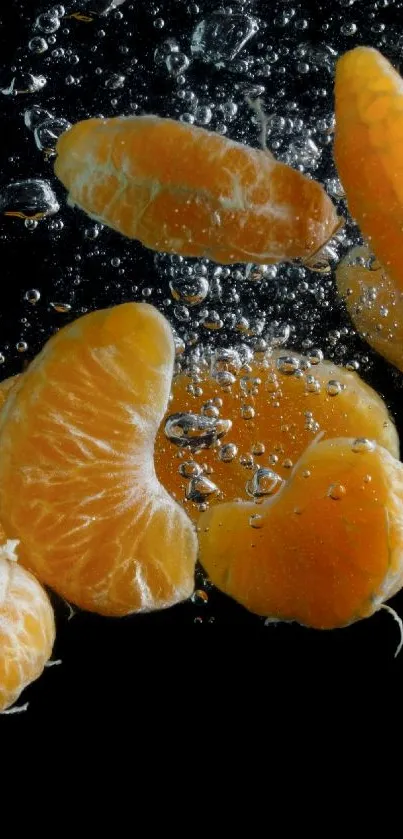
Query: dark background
pixel 114 662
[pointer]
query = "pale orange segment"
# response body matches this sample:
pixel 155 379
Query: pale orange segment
pixel 182 189
pixel 77 479
pixel 273 416
pixel 374 304
pixel 368 151
pixel 325 551
pixel 27 627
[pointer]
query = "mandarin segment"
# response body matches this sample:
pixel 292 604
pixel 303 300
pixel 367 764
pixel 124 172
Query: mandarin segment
pixel 275 410
pixel 373 302
pixel 77 479
pixel 27 627
pixel 182 189
pixel 325 551
pixel 367 150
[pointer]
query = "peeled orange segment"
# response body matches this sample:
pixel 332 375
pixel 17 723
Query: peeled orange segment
pixel 325 551
pixel 368 151
pixel 272 413
pixel 373 302
pixel 27 627
pixel 77 479
pixel 6 387
pixel 181 189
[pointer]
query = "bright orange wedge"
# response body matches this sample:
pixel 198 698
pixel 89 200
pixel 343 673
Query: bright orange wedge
pixel 326 550
pixel 368 151
pixel 182 189
pixel 27 627
pixel 77 479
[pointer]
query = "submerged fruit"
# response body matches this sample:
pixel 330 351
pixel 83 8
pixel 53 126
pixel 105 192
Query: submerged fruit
pixel 230 425
pixel 77 479
pixel 182 189
pixel 27 627
pixel 325 551
pixel 368 151
pixel 373 302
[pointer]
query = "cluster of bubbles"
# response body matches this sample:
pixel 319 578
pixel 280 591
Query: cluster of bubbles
pixel 258 73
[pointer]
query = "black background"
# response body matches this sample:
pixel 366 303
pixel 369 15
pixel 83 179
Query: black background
pixel 115 662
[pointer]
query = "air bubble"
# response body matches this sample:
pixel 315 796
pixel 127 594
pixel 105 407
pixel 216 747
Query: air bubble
pixel 195 430
pixel 47 133
pixel 221 36
pixel 336 492
pixel 265 482
pixel 29 199
pixel 362 444
pixel 200 488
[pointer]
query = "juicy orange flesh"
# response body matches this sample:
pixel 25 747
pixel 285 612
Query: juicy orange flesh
pixel 182 189
pixel 288 415
pixel 368 139
pixel 374 304
pixel 27 631
pixel 77 481
pixel 310 557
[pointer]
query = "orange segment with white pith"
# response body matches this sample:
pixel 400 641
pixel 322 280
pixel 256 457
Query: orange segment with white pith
pixel 326 551
pixel 182 189
pixel 368 151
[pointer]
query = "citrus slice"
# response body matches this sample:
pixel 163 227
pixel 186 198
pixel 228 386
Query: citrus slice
pixel 182 189
pixel 326 550
pixel 236 432
pixel 373 302
pixel 368 151
pixel 27 627
pixel 77 479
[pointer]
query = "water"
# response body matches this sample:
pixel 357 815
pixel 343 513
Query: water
pixel 198 62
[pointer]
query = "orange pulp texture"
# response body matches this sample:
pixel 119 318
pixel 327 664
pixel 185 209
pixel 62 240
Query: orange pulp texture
pixel 374 304
pixel 288 411
pixel 182 189
pixel 77 479
pixel 325 551
pixel 27 627
pixel 368 151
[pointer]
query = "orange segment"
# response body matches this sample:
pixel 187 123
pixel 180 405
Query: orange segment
pixel 275 414
pixel 77 479
pixel 179 188
pixel 326 550
pixel 6 387
pixel 368 151
pixel 374 304
pixel 27 627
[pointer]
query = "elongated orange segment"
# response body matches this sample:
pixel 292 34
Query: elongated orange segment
pixel 27 628
pixel 368 151
pixel 374 304
pixel 274 415
pixel 181 189
pixel 77 479
pixel 325 551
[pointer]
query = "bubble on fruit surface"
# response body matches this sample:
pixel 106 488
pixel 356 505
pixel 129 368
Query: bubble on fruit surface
pixel 264 482
pixel 195 431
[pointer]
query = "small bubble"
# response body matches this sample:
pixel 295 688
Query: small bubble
pixel 189 469
pixel 264 482
pixel 256 521
pixel 288 365
pixel 48 22
pixel 63 308
pixel 333 387
pixel 22 346
pixel 362 444
pixel 228 452
pixel 336 491
pixel 247 461
pixel 200 488
pixel 247 412
pixel 38 45
pixel 258 449
pixel 32 296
